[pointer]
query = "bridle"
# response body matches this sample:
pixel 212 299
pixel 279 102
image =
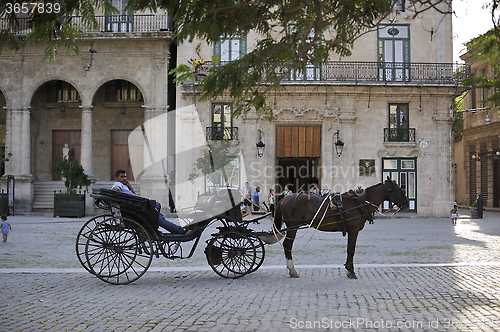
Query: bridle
pixel 389 195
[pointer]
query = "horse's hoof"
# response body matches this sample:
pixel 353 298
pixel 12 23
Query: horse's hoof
pixel 294 275
pixel 351 275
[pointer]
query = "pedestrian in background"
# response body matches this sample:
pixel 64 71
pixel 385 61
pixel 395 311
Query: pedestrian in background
pixel 247 201
pixel 270 199
pixel 287 191
pixel 6 227
pixel 256 199
pixel 454 212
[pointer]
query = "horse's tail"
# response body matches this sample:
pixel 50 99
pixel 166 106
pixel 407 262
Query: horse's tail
pixel 275 235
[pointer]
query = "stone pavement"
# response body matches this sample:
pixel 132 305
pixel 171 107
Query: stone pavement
pixel 414 274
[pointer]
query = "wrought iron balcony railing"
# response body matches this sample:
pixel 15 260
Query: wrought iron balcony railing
pixel 115 23
pixel 386 72
pixel 218 133
pixel 399 134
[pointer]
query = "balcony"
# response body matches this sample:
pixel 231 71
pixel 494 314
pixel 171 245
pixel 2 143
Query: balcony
pixel 399 134
pixel 376 72
pixel 396 72
pixel 115 23
pixel 219 134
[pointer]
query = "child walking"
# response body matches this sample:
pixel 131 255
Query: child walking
pixel 454 212
pixel 6 227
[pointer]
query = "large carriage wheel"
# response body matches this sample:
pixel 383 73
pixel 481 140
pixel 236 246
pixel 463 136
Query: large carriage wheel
pixel 82 237
pixel 119 250
pixel 232 254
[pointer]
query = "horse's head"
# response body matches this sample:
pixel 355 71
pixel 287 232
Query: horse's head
pixel 394 194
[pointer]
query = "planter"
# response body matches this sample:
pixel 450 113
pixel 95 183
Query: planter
pixel 69 205
pixel 474 213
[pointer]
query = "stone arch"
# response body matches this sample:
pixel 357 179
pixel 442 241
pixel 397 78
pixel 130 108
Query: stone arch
pixel 4 96
pixel 56 118
pixel 51 78
pixel 113 119
pixel 103 81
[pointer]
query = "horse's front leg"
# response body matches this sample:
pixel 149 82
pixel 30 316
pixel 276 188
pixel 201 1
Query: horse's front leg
pixel 351 248
pixel 287 246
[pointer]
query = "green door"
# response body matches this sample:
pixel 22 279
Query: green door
pixel 404 172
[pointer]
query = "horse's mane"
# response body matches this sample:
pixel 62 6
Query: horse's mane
pixel 373 185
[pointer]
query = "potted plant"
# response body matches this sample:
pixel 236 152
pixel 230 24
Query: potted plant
pixel 474 213
pixel 70 204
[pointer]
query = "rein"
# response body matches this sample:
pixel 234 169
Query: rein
pixel 308 225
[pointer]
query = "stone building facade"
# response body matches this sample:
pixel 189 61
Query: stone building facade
pixel 477 152
pixel 390 103
pixel 91 101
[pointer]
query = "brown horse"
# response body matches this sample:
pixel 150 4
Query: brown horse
pixel 347 213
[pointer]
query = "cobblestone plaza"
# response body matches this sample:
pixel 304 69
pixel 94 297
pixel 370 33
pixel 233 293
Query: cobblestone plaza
pixel 414 274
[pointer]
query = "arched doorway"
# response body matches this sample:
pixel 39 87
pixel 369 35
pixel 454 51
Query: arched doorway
pixel 118 110
pixel 55 122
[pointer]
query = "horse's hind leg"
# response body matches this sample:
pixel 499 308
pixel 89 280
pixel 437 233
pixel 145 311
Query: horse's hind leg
pixel 351 248
pixel 287 245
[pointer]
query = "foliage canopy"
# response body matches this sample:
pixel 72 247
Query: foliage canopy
pixel 294 33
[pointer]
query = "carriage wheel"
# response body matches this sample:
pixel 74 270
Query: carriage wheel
pixel 82 237
pixel 119 250
pixel 260 252
pixel 231 254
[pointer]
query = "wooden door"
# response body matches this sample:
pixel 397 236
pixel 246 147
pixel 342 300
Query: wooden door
pixel 298 141
pixel 59 139
pixel 298 152
pixel 120 155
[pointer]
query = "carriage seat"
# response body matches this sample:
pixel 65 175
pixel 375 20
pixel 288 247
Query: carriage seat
pixel 225 201
pixel 132 207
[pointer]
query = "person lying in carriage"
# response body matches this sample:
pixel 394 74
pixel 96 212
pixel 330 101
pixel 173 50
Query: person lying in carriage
pixel 124 186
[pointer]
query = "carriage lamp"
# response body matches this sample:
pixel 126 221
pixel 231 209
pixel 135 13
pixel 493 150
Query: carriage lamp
pixel 339 145
pixel 260 145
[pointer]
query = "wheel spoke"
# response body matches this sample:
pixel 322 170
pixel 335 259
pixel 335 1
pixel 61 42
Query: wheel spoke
pixel 232 254
pixel 116 253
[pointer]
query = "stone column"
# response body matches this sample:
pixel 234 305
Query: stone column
pixel 86 152
pixel 8 137
pixel 19 138
pixel 443 171
pixel 26 142
pixel 86 147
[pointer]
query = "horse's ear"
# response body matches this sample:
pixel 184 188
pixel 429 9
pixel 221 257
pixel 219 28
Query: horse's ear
pixel 388 179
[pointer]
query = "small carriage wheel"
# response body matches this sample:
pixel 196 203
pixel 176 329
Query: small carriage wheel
pixel 119 250
pixel 231 254
pixel 82 237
